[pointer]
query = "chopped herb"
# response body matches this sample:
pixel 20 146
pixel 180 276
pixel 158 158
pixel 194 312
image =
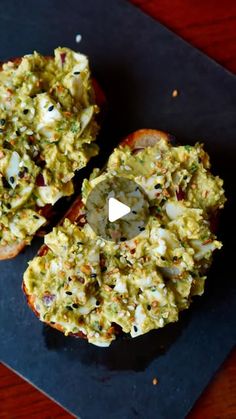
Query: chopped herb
pixel 74 127
pixel 194 167
pixel 188 147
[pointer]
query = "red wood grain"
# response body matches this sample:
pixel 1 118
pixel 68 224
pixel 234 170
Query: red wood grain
pixel 209 25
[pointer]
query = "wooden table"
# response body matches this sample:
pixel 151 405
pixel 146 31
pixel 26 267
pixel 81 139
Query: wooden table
pixel 209 25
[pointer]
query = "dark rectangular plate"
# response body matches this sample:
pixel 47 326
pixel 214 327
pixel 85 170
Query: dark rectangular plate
pixel 138 62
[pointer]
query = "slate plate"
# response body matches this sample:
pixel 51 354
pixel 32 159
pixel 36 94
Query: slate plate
pixel 139 63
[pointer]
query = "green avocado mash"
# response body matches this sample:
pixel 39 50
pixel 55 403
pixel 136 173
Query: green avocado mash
pixel 87 284
pixel 47 128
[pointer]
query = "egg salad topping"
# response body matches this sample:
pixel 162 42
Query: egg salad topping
pixel 87 284
pixel 47 129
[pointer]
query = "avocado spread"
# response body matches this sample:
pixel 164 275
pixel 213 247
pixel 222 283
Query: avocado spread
pixel 47 127
pixel 87 284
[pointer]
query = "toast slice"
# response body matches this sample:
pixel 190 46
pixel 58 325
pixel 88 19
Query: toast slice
pixel 12 245
pixel 147 290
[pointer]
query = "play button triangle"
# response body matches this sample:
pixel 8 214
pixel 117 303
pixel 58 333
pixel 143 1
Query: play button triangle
pixel 116 209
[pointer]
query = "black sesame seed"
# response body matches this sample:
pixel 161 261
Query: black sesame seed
pixel 123 239
pixel 135 328
pixel 141 228
pixel 69 279
pixel 18 132
pixel 175 258
pixel 69 308
pixel 104 269
pixel 8 206
pixel 97 303
pixel 137 188
pixel 76 72
pixel 1 130
pixel 100 327
pixel 36 217
pixel 50 108
pixel 2 121
pixel 93 275
pixel 149 307
pixel 25 111
pixel 134 212
pixel 162 258
pixel 157 186
pixel 52 322
pixel 5 183
pixel 185 177
pixel 68 292
pixel 75 305
pixel 78 243
pixel 11 179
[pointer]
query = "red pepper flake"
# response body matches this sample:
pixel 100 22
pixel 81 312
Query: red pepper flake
pixel 40 180
pixel 207 241
pixel 180 194
pixel 63 57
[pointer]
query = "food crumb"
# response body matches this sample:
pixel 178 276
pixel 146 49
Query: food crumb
pixel 175 93
pixel 78 38
pixel 155 381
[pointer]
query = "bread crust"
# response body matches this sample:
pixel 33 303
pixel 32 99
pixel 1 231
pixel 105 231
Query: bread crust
pixel 137 140
pixel 11 251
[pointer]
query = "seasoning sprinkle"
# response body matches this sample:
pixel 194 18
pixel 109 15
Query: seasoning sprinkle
pixel 69 308
pixel 50 108
pixel 76 73
pixel 75 305
pixel 25 111
pixel 68 292
pixel 155 381
pixel 2 121
pixel 175 93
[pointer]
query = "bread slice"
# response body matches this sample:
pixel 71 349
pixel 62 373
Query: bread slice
pixel 11 250
pixel 179 274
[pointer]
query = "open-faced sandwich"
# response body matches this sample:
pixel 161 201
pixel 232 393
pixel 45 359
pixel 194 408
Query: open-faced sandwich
pixel 47 131
pixel 86 286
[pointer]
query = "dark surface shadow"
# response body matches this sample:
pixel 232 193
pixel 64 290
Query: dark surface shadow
pixel 125 353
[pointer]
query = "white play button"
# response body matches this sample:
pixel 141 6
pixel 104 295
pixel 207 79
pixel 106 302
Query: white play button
pixel 116 209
